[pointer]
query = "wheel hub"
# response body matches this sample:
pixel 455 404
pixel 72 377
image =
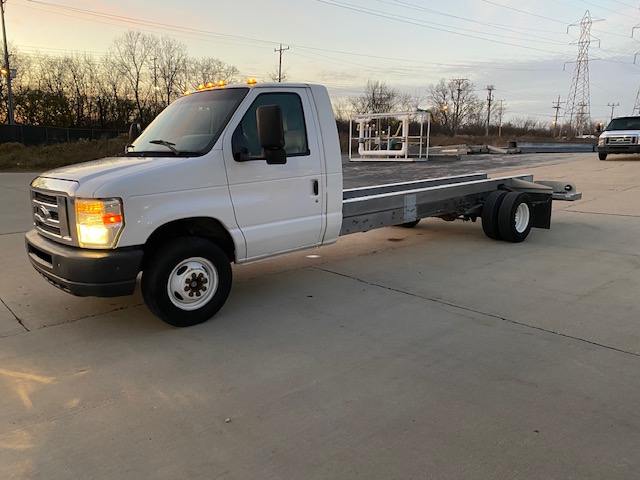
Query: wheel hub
pixel 522 217
pixel 192 283
pixel 196 284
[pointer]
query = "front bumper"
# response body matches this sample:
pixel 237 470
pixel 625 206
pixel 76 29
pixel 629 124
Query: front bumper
pixel 611 149
pixel 84 272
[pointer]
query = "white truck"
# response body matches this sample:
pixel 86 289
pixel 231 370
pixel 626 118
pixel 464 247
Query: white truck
pixel 236 174
pixel 621 135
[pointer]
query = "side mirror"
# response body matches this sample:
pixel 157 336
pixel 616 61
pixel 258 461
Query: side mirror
pixel 271 134
pixel 134 131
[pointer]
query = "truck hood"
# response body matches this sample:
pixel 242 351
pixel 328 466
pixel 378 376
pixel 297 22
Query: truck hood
pixel 106 168
pixel 617 133
pixel 126 176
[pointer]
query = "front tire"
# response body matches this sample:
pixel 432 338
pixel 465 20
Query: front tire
pixel 186 281
pixel 602 156
pixel 514 218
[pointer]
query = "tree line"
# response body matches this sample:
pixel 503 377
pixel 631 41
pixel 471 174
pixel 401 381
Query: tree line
pixel 142 73
pixel 454 106
pixel 138 76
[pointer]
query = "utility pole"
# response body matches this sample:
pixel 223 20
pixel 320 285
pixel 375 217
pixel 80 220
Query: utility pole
pixel 456 118
pixel 280 50
pixel 557 107
pixel 8 69
pixel 500 113
pixel 490 89
pixel 613 106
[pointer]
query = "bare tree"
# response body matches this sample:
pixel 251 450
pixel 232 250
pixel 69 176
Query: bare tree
pixel 342 109
pixel 170 58
pixel 200 71
pixel 80 87
pixel 132 54
pixel 378 97
pixel 119 107
pixel 278 76
pixel 527 124
pixel 50 96
pixel 112 90
pixel 454 101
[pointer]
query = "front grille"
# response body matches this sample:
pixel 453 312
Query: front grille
pixel 44 198
pixel 622 140
pixel 50 214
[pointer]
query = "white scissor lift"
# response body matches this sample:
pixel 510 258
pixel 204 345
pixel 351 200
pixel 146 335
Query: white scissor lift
pixel 385 137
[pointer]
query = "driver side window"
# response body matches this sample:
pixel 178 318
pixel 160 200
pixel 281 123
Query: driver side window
pixel 245 137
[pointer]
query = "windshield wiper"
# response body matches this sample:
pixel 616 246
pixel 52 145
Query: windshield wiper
pixel 169 145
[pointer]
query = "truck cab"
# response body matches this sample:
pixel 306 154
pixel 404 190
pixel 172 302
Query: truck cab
pixel 621 135
pixel 225 174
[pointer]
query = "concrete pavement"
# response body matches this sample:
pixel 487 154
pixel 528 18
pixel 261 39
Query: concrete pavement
pixel 410 354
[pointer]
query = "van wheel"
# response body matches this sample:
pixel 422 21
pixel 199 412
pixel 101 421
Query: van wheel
pixel 602 156
pixel 186 281
pixel 514 218
pixel 490 211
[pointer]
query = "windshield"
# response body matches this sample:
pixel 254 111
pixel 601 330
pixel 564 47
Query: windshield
pixel 625 123
pixel 190 125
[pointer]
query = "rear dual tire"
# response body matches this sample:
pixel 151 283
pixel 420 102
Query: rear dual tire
pixel 507 216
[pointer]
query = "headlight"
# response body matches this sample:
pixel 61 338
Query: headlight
pixel 99 222
pixel 601 141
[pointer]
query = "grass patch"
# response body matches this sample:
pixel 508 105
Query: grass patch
pixel 15 157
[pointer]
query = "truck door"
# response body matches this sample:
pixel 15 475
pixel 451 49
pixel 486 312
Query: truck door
pixel 278 207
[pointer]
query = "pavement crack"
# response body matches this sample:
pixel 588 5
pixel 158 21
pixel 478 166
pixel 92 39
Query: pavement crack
pixel 467 309
pixel 14 315
pixel 602 213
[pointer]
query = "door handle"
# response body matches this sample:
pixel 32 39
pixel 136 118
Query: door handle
pixel 315 187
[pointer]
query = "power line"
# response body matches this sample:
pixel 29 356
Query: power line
pixel 525 12
pixel 502 28
pixel 428 25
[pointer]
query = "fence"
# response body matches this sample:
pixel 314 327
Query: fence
pixel 31 135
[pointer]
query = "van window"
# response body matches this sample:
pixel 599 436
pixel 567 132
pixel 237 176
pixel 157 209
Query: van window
pixel 245 137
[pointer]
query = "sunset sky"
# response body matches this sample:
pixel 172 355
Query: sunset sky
pixel 527 50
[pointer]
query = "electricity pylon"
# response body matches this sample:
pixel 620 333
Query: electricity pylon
pixel 577 114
